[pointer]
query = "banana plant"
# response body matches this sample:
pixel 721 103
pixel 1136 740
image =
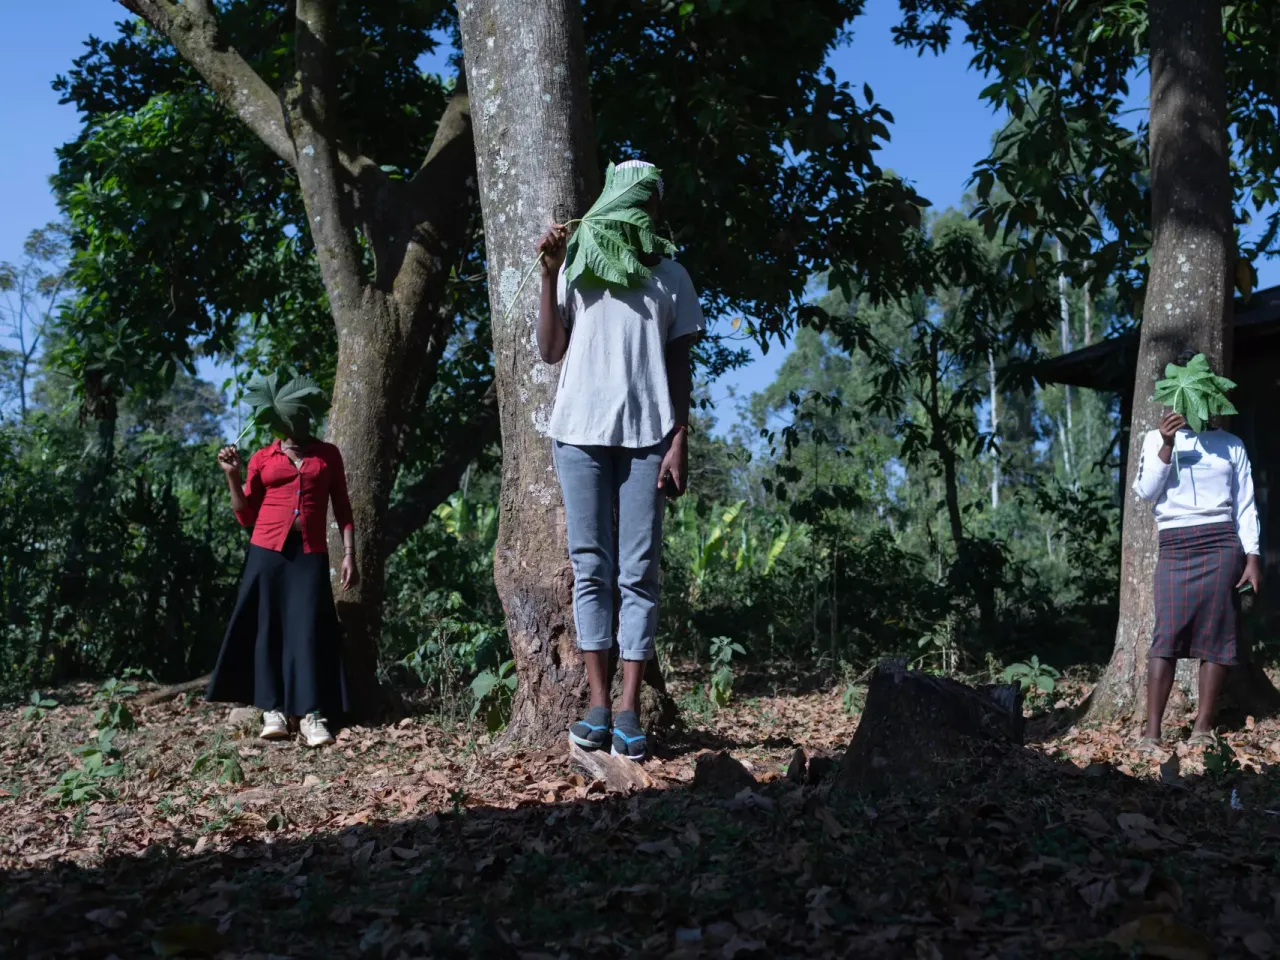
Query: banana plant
pixel 463 519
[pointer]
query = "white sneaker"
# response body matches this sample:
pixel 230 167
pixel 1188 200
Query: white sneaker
pixel 274 725
pixel 315 731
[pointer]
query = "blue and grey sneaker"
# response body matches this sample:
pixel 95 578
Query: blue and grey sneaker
pixel 592 732
pixel 628 739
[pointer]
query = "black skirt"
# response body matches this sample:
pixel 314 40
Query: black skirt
pixel 1197 606
pixel 283 647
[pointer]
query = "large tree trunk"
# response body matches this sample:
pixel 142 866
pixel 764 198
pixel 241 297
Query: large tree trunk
pixel 360 423
pixel 1188 306
pixel 535 157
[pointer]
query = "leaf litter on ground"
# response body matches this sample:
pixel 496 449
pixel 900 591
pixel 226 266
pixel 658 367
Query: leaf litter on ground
pixel 417 840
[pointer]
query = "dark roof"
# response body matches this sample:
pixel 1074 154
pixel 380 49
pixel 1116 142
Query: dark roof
pixel 1110 364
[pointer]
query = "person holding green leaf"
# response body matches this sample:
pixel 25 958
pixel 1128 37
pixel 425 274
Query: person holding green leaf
pixel 1199 481
pixel 622 318
pixel 282 649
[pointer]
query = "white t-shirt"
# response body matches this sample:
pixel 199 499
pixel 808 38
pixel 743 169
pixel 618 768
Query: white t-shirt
pixel 613 381
pixel 1214 483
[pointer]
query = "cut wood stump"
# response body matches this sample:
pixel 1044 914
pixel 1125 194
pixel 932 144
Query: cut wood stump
pixel 617 773
pixel 916 727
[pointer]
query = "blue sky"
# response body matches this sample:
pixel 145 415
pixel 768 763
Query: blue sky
pixel 941 128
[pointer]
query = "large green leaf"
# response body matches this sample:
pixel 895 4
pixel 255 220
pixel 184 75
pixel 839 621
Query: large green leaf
pixel 290 410
pixel 1195 392
pixel 607 244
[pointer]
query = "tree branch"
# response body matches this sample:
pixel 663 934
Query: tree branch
pixel 413 509
pixel 193 30
pixel 440 200
pixel 312 120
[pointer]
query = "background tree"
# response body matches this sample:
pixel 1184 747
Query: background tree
pixel 30 294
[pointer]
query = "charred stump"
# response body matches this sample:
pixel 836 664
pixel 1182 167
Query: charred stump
pixel 915 727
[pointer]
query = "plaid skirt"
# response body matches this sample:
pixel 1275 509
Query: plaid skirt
pixel 1197 607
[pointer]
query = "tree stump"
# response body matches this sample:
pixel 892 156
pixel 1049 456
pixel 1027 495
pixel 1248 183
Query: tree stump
pixel 916 726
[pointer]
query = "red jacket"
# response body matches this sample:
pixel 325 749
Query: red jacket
pixel 278 491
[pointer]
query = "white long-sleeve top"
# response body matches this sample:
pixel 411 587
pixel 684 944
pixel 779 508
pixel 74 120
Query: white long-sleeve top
pixel 1214 483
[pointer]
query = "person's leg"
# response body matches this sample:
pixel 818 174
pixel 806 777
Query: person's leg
pixel 586 480
pixel 640 508
pixel 1212 677
pixel 1160 672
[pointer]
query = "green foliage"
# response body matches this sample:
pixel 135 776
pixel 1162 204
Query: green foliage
pixel 38 706
pixel 113 713
pixel 1195 392
pixel 443 621
pixel 118 553
pixel 1033 676
pixel 606 245
pixel 721 684
pixel 1220 761
pixel 99 762
pixel 289 410
pixel 220 760
pixel 494 691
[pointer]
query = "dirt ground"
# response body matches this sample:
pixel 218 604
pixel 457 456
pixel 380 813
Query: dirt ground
pixel 415 840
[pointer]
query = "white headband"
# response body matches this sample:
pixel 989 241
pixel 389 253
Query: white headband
pixel 625 164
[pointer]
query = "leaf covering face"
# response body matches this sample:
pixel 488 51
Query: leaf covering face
pixel 605 247
pixel 289 410
pixel 1195 392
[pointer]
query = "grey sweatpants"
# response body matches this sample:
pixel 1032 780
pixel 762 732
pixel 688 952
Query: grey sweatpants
pixel 592 478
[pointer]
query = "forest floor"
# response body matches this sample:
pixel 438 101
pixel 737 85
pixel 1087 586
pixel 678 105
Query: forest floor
pixel 414 841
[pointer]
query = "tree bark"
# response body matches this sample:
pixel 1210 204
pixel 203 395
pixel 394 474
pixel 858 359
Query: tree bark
pixel 536 162
pixel 1188 304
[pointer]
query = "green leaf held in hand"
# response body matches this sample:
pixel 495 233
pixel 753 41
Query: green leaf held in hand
pixel 1196 393
pixel 287 411
pixel 610 237
pixel 606 246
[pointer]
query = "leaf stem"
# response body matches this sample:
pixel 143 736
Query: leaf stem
pixel 527 274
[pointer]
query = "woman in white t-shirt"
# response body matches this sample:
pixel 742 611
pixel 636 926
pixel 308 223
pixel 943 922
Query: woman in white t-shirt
pixel 1209 546
pixel 620 433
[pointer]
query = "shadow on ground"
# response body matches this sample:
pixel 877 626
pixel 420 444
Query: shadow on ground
pixel 1020 856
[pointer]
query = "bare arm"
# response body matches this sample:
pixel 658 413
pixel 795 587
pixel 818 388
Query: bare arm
pixel 244 502
pixel 680 378
pixel 673 475
pixel 553 337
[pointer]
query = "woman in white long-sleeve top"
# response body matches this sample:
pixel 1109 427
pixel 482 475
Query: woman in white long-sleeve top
pixel 1209 541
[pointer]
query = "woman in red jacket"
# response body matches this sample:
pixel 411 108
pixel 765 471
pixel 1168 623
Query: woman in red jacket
pixel 282 650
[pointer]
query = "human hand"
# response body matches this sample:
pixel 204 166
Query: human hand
pixel 552 246
pixel 1170 424
pixel 1252 574
pixel 350 575
pixel 229 461
pixel 674 472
